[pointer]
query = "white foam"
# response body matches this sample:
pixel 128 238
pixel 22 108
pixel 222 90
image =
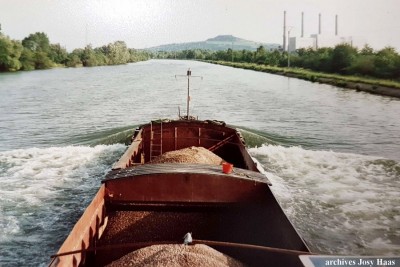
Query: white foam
pixel 8 226
pixel 31 179
pixel 335 196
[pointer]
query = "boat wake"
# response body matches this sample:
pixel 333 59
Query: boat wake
pixel 42 193
pixel 119 135
pixel 341 203
pixel 256 138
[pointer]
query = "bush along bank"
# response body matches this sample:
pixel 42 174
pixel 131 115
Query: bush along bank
pixel 35 52
pixel 370 85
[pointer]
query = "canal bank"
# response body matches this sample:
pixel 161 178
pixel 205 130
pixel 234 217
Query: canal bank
pixel 369 85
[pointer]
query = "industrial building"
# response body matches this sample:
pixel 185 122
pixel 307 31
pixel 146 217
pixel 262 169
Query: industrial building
pixel 316 41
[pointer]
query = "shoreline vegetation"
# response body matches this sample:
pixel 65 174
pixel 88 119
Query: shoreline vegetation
pixel 376 72
pixel 35 52
pixel 370 85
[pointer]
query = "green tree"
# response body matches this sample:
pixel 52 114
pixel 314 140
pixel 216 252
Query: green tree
pixel 229 55
pixel 198 54
pixel 37 42
pixel 100 57
pixel 237 56
pixel 260 55
pixel 117 53
pixel 74 58
pixel 88 57
pixel 137 55
pixel 10 52
pixel 364 65
pixel 58 54
pixel 27 59
pixel 221 55
pixel 367 51
pixel 343 56
pixel 324 59
pixel 387 63
pixel 307 58
pixel 247 56
pixel 42 61
pixel 273 58
pixel 190 54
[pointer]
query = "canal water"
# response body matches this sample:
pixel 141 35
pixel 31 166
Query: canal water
pixel 333 155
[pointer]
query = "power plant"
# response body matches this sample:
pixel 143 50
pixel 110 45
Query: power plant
pixel 315 41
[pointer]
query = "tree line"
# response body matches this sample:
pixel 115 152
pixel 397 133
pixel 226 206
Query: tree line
pixel 341 59
pixel 36 52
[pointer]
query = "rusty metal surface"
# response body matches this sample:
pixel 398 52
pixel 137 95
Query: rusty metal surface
pixel 185 187
pixel 171 168
pixel 182 134
pixel 127 158
pixel 84 234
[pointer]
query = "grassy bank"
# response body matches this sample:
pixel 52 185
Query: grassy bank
pixel 371 85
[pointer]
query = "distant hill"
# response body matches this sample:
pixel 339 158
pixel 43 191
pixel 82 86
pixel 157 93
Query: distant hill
pixel 220 42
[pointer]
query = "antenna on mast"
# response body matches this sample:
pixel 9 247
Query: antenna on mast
pixel 188 75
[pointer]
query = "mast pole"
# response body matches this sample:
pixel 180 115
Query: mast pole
pixel 189 72
pixel 188 75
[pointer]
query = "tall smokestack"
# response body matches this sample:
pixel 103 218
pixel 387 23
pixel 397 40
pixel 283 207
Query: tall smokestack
pixel 284 31
pixel 302 24
pixel 336 25
pixel 319 23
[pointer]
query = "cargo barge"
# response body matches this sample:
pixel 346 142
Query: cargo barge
pixel 142 202
pixel 186 192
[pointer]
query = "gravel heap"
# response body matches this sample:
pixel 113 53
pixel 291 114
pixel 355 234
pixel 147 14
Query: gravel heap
pixel 176 255
pixel 143 226
pixel 192 154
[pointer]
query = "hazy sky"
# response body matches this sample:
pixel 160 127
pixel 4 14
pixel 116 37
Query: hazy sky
pixel 145 23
